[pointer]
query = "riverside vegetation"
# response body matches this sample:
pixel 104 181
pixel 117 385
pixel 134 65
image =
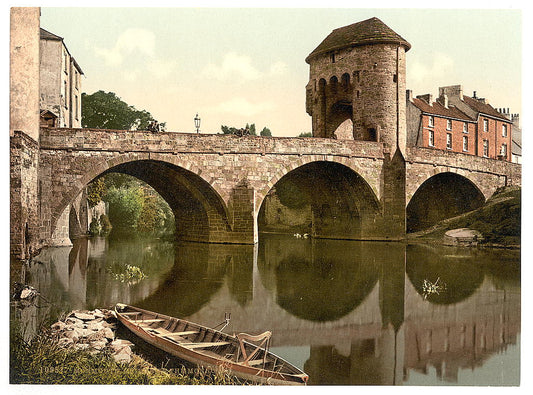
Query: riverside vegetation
pixel 46 359
pixel 498 220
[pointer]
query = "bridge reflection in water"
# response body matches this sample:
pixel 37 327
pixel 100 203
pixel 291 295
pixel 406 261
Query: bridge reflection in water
pixel 346 312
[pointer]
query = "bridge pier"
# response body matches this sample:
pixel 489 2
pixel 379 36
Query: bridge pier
pixel 394 217
pixel 242 209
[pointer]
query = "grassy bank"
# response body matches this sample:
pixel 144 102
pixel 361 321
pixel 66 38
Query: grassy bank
pixel 43 361
pixel 498 220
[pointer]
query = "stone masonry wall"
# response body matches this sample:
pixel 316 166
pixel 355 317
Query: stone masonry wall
pixel 486 174
pixel 236 172
pixel 369 79
pixel 73 157
pixel 24 195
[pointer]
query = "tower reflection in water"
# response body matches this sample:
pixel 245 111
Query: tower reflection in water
pixel 346 312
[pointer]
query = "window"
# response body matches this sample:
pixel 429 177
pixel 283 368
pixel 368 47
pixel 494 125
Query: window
pixel 465 143
pixel 504 130
pixel 431 121
pixel 485 125
pixel 448 124
pixel 431 142
pixel 448 141
pixel 332 57
pixel 465 127
pixel 76 107
pixel 486 148
pixel 503 150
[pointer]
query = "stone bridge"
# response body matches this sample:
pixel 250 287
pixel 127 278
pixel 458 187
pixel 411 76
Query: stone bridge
pixel 216 184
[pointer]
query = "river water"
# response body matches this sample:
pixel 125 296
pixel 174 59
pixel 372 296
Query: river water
pixel 346 312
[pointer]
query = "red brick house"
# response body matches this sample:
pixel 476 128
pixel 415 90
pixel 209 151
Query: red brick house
pixel 458 123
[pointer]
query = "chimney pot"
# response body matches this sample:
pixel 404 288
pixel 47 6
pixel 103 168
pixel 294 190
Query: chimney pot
pixel 428 98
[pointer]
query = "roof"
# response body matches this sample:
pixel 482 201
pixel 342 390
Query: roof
pixel 516 149
pixel 484 108
pixel 440 110
pixel 47 112
pixel 516 135
pixel 370 31
pixel 46 35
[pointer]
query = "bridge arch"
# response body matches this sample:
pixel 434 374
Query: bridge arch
pixel 371 182
pixel 443 195
pixel 334 201
pixel 199 209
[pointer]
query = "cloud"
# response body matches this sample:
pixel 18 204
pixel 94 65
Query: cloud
pixel 130 41
pixel 162 68
pixel 242 106
pixel 233 65
pixel 438 66
pixel 111 57
pixel 130 75
pixel 139 44
pixel 239 67
pixel 278 68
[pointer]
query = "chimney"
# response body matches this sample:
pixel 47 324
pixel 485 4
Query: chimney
pixel 428 98
pixel 452 91
pixel 443 99
pixel 515 119
pixel 409 94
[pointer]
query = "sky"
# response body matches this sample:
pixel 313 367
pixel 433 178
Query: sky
pixel 239 65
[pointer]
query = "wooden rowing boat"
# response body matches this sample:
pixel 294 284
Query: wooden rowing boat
pixel 246 356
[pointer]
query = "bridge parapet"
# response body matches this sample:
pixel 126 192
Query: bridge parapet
pixel 171 142
pixel 464 161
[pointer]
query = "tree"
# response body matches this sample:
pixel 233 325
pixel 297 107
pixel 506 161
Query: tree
pixel 233 130
pixel 125 205
pixel 228 130
pixel 96 190
pixel 251 128
pixel 306 134
pixel 266 132
pixel 156 215
pixel 105 110
pixel 120 180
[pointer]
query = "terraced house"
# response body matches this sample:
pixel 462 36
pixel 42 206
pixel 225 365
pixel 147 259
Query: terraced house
pixel 458 123
pixel 60 83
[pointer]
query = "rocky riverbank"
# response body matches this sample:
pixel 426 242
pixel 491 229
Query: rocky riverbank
pixel 82 348
pixel 93 331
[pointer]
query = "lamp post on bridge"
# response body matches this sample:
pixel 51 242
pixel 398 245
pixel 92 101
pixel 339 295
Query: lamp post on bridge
pixel 197 123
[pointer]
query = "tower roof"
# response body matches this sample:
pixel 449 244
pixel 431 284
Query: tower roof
pixel 370 31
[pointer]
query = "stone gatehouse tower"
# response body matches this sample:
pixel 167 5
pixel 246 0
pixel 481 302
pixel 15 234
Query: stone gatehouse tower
pixel 357 81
